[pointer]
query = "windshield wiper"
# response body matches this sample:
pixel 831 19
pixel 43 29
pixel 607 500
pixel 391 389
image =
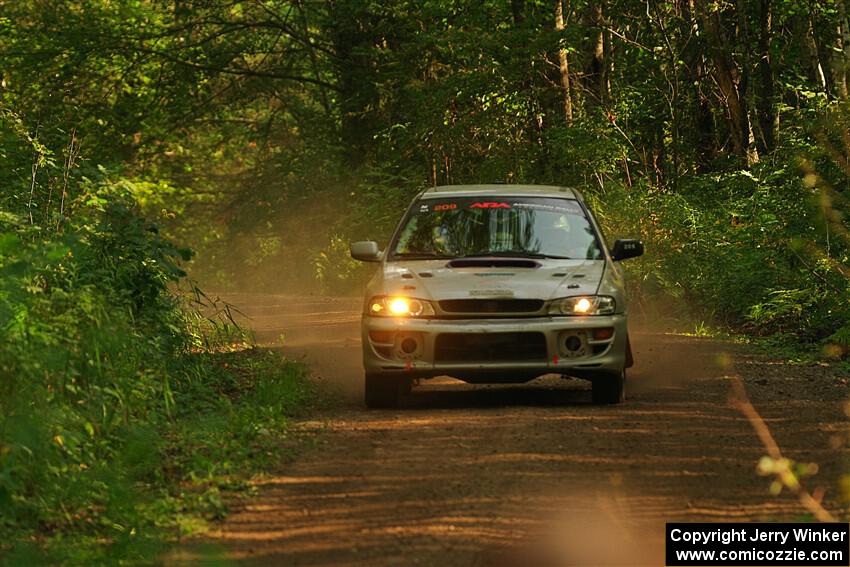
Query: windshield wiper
pixel 422 256
pixel 514 254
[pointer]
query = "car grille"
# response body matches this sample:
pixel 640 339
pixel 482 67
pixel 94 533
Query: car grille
pixel 490 347
pixel 495 306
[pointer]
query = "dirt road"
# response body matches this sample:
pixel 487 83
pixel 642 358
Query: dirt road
pixel 528 474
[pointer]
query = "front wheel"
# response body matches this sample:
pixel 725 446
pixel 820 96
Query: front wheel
pixel 610 388
pixel 385 391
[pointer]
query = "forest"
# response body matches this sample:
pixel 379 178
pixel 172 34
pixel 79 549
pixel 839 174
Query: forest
pixel 154 153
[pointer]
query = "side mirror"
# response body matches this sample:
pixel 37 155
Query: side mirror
pixel 627 248
pixel 365 251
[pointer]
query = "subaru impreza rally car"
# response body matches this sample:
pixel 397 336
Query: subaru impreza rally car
pixel 495 284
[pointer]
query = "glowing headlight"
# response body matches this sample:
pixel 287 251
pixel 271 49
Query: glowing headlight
pixel 583 305
pixel 383 306
pixel 400 306
pixel 587 305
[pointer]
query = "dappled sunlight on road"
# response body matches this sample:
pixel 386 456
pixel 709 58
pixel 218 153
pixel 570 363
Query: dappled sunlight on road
pixel 510 475
pixel 487 481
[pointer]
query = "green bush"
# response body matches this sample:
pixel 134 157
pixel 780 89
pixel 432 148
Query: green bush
pixel 121 412
pixel 743 249
pixel 336 271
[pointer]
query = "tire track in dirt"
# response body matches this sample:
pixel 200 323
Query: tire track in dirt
pixel 530 474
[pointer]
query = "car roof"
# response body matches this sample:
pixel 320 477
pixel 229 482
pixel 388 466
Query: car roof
pixel 496 190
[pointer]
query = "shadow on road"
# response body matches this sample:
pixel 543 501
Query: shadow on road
pixel 485 397
pixel 522 474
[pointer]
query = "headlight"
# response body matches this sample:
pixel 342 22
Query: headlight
pixel 583 305
pixel 389 306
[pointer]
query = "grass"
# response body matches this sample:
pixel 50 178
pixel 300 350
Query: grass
pixel 778 346
pixel 228 424
pixel 130 404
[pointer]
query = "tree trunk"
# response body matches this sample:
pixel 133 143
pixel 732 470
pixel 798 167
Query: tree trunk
pixel 703 131
pixel 743 72
pixel 814 57
pixel 564 64
pixel 836 66
pixel 768 118
pixel 595 75
pixel 350 32
pixel 314 62
pixel 607 62
pixel 732 90
pixel 518 11
pixel 843 79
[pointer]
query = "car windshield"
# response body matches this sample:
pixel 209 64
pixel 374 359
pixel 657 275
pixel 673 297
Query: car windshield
pixel 497 226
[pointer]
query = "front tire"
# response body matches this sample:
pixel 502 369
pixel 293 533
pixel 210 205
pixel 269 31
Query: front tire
pixel 610 388
pixel 385 391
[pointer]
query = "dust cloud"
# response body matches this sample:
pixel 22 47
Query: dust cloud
pixel 260 248
pixel 324 333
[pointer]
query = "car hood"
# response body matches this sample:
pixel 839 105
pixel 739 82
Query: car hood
pixel 437 280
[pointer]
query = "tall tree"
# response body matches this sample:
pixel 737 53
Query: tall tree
pixel 596 73
pixel 729 79
pixel 563 63
pixel 768 118
pixel 843 65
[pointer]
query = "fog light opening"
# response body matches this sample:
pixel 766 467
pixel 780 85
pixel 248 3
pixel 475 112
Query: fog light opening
pixel 409 346
pixel 573 343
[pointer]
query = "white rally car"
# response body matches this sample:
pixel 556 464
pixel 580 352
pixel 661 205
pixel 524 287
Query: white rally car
pixel 495 284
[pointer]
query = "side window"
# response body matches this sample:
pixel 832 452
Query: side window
pixel 602 238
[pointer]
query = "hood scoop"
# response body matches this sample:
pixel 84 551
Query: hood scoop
pixel 493 263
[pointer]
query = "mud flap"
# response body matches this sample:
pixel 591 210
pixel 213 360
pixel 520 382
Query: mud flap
pixel 385 391
pixel 630 359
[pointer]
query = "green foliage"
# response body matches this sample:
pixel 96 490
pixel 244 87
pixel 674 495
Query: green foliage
pixel 262 129
pixel 838 343
pixel 118 420
pixel 786 309
pixel 743 248
pixel 336 271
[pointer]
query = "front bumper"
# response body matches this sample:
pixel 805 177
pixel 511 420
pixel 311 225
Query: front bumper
pixel 385 350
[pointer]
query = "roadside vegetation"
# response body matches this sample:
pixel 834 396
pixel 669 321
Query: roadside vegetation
pixel 126 402
pixel 265 135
